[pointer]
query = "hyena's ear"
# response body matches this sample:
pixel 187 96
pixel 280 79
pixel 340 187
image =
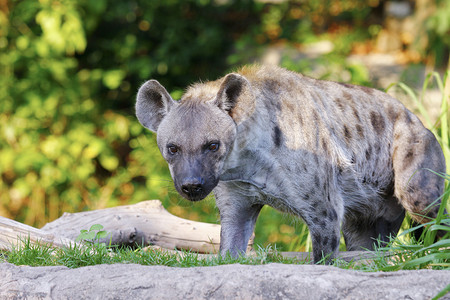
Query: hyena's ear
pixel 152 104
pixel 235 97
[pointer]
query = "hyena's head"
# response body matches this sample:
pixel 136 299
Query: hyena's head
pixel 194 135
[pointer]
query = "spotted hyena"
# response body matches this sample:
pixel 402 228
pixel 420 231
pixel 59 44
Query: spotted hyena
pixel 340 156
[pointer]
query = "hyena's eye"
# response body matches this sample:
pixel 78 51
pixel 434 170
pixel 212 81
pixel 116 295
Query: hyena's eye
pixel 213 146
pixel 172 149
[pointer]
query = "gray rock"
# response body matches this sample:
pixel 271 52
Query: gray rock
pixel 272 281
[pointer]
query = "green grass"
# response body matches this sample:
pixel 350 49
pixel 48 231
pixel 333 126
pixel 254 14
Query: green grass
pixel 89 254
pixel 89 251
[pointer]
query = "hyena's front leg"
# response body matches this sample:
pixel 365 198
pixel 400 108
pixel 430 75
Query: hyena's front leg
pixel 324 227
pixel 238 214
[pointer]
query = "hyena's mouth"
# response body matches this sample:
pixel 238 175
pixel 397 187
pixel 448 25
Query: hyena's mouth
pixel 193 193
pixel 195 190
pixel 194 198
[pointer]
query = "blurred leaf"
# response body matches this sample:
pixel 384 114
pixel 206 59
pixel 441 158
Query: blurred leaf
pixel 112 79
pixel 109 162
pixel 96 227
pixel 94 148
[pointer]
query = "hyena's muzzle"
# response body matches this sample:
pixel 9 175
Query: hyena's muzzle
pixel 193 178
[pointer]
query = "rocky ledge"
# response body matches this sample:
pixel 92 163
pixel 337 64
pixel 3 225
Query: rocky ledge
pixel 272 281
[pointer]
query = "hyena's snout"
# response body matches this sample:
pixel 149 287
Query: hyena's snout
pixel 193 188
pixel 193 182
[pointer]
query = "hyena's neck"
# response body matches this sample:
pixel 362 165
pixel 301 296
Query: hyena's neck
pixel 252 159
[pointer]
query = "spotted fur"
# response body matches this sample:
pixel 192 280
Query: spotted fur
pixel 340 156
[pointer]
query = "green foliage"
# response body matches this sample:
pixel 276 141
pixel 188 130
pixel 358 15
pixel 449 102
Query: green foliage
pixel 94 234
pixel 292 24
pixel 69 71
pixel 438 32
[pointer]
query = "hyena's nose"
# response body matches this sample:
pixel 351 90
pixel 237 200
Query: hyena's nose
pixel 192 188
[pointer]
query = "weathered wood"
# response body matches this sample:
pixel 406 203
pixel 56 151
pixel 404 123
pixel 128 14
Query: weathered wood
pixel 144 223
pixel 12 233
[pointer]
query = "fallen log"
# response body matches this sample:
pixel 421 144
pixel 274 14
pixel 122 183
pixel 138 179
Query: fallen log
pixel 145 223
pixel 12 233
